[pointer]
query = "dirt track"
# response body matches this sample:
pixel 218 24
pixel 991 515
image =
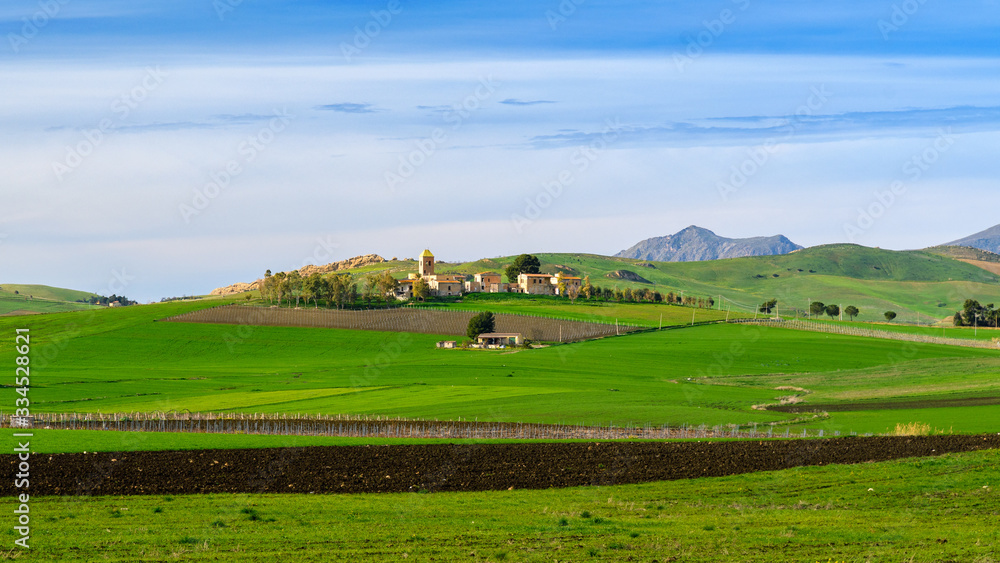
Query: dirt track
pixel 355 469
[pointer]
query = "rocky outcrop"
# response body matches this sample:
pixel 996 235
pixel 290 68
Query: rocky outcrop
pixel 238 287
pixel 306 271
pixel 627 275
pixel 349 264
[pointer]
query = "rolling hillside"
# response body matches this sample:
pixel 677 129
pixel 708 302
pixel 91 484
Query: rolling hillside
pixel 920 286
pixel 923 286
pixel 19 299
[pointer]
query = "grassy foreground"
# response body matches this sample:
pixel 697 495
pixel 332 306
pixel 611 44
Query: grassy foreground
pixel 121 360
pixel 926 509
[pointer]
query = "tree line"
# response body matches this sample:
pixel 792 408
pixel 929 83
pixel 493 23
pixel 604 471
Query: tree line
pixel 102 300
pixel 337 290
pixel 818 309
pixel 975 314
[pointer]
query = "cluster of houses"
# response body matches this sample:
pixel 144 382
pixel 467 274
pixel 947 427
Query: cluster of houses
pixel 444 285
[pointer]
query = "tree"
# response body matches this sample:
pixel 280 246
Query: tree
pixel 371 288
pixel 767 306
pixel 295 283
pixel 817 308
pixel 267 287
pixel 957 321
pixel 572 292
pixel 851 311
pixel 832 311
pixel 587 290
pixel 481 324
pixel 387 284
pixel 523 264
pixel 421 290
pixel 280 286
pixel 313 288
pixel 889 315
pixel 342 289
pixel 608 293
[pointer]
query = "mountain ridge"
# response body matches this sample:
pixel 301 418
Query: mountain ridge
pixel 697 244
pixel 988 239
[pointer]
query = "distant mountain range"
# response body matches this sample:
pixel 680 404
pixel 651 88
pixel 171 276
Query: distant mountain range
pixel 985 240
pixel 695 244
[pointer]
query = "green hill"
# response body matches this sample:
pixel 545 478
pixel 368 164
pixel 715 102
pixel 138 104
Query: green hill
pixel 19 299
pixel 921 286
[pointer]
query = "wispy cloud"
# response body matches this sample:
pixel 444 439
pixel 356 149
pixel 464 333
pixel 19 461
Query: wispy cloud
pixel 737 130
pixel 242 118
pixel 438 110
pixel 517 102
pixel 217 121
pixel 349 107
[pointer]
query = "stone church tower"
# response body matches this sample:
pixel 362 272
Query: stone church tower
pixel 426 266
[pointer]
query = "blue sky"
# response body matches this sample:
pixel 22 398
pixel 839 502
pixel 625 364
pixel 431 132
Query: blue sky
pixel 180 146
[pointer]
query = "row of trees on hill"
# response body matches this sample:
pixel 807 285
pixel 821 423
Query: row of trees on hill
pixel 818 309
pixel 102 300
pixel 336 290
pixel 638 295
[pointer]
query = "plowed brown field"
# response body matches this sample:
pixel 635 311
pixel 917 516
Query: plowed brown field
pixel 356 469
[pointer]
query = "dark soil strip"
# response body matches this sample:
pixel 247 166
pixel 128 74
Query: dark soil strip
pixel 888 405
pixel 358 469
pixel 453 322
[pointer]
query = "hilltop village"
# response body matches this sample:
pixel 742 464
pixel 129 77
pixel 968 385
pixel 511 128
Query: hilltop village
pixel 443 285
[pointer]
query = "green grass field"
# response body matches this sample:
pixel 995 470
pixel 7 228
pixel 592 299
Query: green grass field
pixel 117 360
pixel 921 510
pixel 639 314
pixel 974 333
